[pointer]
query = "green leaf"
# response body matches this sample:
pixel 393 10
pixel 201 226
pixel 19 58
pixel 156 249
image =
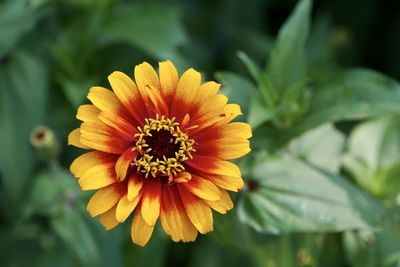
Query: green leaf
pixel 293 104
pixel 16 19
pixel 291 196
pixel 264 83
pixel 374 156
pixel 353 95
pixel 23 93
pixel 287 61
pixel 322 147
pixel 76 90
pixel 237 88
pixel 371 249
pixel 155 29
pixel 72 228
pixel 259 113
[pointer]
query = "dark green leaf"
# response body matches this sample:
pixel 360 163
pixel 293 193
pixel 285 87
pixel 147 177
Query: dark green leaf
pixel 71 227
pixel 287 61
pixel 353 95
pixel 23 91
pixel 16 19
pixel 155 29
pixel 259 113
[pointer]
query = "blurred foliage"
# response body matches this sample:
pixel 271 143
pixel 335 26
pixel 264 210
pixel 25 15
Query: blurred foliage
pixel 323 180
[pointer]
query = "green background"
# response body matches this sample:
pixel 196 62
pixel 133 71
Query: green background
pixel 317 82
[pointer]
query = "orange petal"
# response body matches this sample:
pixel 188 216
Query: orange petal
pixel 104 199
pixel 140 230
pixel 125 207
pixel 135 183
pixel 168 77
pixel 151 200
pixel 88 113
pixel 98 176
pixel 223 204
pixel 74 139
pixel 182 177
pixel 173 216
pixel 123 163
pixel 123 127
pixel 156 100
pixel 100 137
pixel 85 161
pixel 198 211
pixel 128 93
pixel 202 188
pixel 108 220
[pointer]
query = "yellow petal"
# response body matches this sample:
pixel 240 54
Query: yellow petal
pixel 135 183
pixel 104 199
pixel 235 150
pixel 108 220
pixel 231 183
pixel 151 201
pixel 206 91
pixel 231 111
pixel 173 216
pixel 140 230
pixel 125 208
pixel 104 99
pixel 87 113
pixel 198 211
pixel 145 75
pixel 127 92
pixel 226 148
pixel 236 129
pixel 202 188
pixel 168 76
pixel 223 204
pixel 74 139
pixel 187 87
pixel 213 104
pixel 98 176
pixel 100 137
pixel 213 165
pixel 85 161
pixel 123 163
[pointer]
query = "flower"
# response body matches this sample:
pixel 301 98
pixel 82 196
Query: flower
pixel 160 149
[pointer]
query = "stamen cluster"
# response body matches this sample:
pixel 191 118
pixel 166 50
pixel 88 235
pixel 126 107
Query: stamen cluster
pixel 176 148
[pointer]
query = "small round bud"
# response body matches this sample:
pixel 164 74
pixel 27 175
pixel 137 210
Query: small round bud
pixel 44 142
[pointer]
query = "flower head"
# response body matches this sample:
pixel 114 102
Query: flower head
pixel 160 149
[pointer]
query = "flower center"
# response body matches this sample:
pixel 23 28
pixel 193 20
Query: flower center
pixel 162 147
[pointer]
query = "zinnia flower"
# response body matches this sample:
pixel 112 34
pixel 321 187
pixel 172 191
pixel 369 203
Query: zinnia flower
pixel 160 149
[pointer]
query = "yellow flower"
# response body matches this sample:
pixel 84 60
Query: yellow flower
pixel 160 149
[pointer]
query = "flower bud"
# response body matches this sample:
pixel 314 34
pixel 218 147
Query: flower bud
pixel 44 142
